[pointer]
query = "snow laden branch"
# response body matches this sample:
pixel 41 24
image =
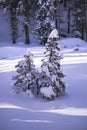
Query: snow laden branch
pixel 46 83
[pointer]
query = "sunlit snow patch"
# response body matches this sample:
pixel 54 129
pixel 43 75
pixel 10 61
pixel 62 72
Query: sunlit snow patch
pixel 72 111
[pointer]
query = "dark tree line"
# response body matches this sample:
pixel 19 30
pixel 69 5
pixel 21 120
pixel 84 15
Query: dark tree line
pixel 68 16
pixel 14 9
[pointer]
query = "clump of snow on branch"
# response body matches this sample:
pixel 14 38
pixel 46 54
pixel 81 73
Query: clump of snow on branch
pixel 53 34
pixel 47 92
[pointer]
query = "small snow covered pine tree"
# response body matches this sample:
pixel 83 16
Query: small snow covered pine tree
pixel 26 74
pixel 51 65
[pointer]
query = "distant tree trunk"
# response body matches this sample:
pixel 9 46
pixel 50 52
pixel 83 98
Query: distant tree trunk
pixel 68 30
pixel 85 7
pixel 57 14
pixel 13 37
pixel 13 24
pixel 24 7
pixel 13 20
pixel 26 16
pixel 65 3
pixel 86 33
pixel 26 29
pixel 56 23
pixel 82 29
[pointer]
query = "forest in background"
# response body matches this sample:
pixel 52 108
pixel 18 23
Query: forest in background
pixel 68 16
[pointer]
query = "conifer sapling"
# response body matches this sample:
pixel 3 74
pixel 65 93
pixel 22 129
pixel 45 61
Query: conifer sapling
pixel 25 78
pixel 51 64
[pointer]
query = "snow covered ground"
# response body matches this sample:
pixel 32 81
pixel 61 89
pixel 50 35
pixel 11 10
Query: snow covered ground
pixel 24 112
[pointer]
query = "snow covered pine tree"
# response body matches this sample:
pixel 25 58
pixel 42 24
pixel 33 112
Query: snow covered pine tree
pixel 51 68
pixel 25 79
pixel 47 83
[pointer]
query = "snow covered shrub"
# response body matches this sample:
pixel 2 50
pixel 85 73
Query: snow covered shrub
pixel 26 74
pixel 51 65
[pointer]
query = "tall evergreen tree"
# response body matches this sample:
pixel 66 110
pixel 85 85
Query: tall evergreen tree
pixel 46 19
pixel 51 65
pixel 42 25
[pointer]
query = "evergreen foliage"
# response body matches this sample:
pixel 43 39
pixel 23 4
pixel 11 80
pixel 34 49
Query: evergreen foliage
pixel 25 78
pixel 44 20
pixel 51 64
pixel 68 16
pixel 46 83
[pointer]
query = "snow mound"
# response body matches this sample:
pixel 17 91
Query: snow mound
pixel 72 42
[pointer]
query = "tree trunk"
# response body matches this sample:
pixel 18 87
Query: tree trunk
pixel 13 37
pixel 27 39
pixel 65 3
pixel 56 23
pixel 13 24
pixel 82 29
pixel 68 30
pixel 85 6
